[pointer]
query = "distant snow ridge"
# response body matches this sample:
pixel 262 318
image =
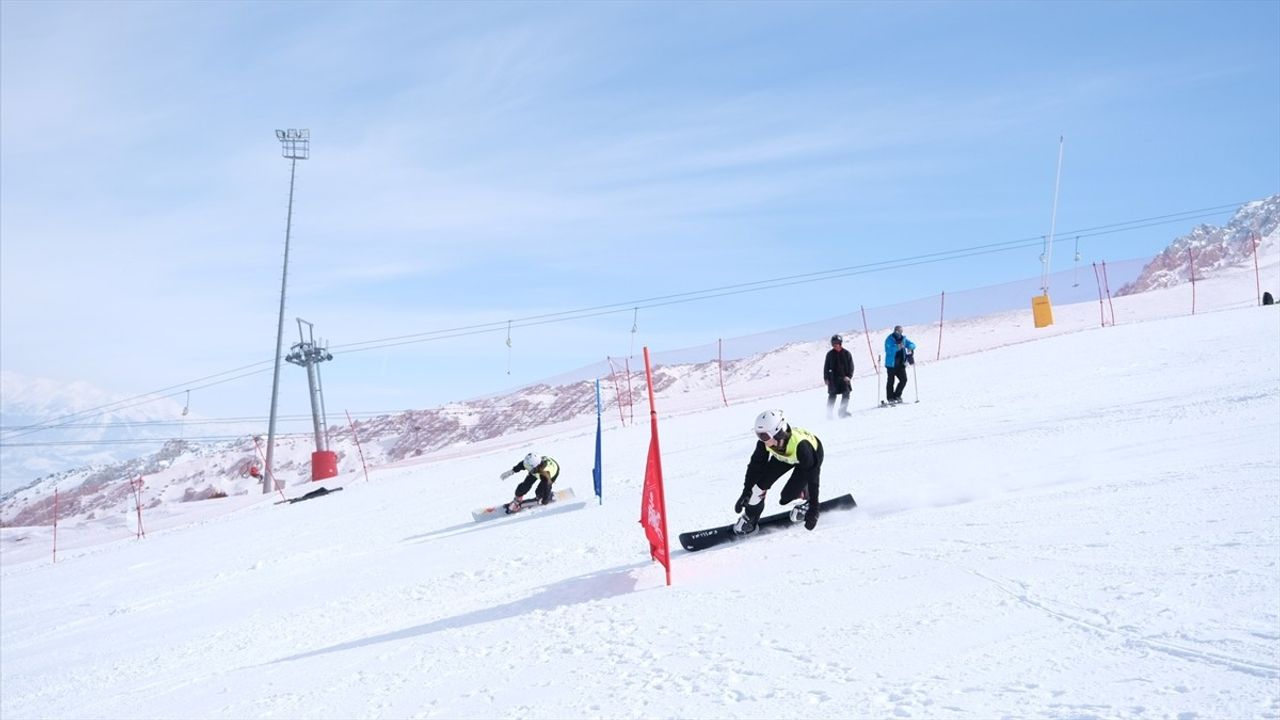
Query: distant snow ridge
pixel 187 471
pixel 1212 248
pixel 28 402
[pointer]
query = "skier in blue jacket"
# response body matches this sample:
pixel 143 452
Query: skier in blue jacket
pixel 898 352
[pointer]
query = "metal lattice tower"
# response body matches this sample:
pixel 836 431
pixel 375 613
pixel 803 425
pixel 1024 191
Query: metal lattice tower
pixel 308 354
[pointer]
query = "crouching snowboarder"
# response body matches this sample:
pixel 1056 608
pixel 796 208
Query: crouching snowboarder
pixel 780 448
pixel 541 470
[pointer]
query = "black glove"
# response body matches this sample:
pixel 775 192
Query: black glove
pixel 811 516
pixel 742 501
pixel 911 358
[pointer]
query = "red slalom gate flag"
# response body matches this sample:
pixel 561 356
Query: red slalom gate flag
pixel 653 504
pixel 652 514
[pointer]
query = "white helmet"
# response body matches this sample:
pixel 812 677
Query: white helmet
pixel 769 424
pixel 532 460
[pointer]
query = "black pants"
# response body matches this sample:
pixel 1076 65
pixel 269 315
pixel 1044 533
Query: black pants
pixel 543 493
pixel 899 373
pixel 796 486
pixel 837 388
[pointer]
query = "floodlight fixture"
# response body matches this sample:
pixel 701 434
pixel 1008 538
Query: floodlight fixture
pixel 295 144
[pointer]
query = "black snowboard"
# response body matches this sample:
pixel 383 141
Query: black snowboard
pixel 320 492
pixel 703 539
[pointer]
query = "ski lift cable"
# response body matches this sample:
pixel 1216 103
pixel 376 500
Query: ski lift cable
pixel 659 301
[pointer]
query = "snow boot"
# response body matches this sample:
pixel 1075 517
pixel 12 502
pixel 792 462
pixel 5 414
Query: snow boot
pixel 749 521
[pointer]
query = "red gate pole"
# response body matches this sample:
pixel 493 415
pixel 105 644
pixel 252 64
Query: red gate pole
pixel 720 355
pixel 279 486
pixel 655 465
pixel 1107 284
pixel 55 523
pixel 617 390
pixel 358 448
pixel 1191 260
pixel 942 306
pixel 1102 318
pixel 866 331
pixel 631 397
pixel 1257 279
pixel 137 503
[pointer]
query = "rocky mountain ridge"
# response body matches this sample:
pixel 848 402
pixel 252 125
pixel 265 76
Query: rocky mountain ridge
pixel 1207 249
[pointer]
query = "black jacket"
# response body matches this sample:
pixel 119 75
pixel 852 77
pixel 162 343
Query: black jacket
pixel 839 366
pixel 764 467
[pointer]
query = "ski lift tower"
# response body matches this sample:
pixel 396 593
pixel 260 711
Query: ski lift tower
pixel 1041 309
pixel 295 145
pixel 306 353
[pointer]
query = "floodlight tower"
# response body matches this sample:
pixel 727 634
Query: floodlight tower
pixel 295 145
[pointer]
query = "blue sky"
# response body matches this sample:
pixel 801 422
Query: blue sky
pixel 477 162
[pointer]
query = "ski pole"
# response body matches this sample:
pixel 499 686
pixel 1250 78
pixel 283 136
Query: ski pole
pixel 915 381
pixel 879 363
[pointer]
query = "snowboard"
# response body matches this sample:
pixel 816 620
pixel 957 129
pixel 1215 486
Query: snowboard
pixel 703 539
pixel 497 511
pixel 320 492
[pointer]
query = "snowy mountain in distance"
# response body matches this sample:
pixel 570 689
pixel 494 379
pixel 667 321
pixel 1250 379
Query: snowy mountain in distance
pixel 26 401
pixel 189 471
pixel 1212 248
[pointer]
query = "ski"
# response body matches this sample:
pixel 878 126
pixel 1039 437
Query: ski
pixel 497 511
pixel 703 539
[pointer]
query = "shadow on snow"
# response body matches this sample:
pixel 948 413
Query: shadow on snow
pixel 522 516
pixel 584 588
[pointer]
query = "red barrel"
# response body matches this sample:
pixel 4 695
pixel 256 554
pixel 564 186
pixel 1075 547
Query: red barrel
pixel 324 464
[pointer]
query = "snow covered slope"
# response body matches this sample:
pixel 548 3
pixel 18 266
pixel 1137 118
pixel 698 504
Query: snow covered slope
pixel 1087 525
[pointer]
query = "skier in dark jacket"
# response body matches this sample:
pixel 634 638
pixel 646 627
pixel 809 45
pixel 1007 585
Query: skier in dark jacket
pixel 837 373
pixel 541 470
pixel 780 448
pixel 898 353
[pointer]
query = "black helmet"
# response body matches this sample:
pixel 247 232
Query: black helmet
pixel 837 340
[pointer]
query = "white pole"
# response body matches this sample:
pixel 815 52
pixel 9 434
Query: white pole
pixel 1046 257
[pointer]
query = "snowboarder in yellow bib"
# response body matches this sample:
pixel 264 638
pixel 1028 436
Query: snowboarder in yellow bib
pixel 541 470
pixel 780 449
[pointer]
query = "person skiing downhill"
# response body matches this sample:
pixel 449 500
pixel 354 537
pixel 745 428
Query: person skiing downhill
pixel 541 470
pixel 898 352
pixel 837 373
pixel 780 448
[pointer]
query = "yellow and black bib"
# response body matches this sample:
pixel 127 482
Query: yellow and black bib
pixel 788 454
